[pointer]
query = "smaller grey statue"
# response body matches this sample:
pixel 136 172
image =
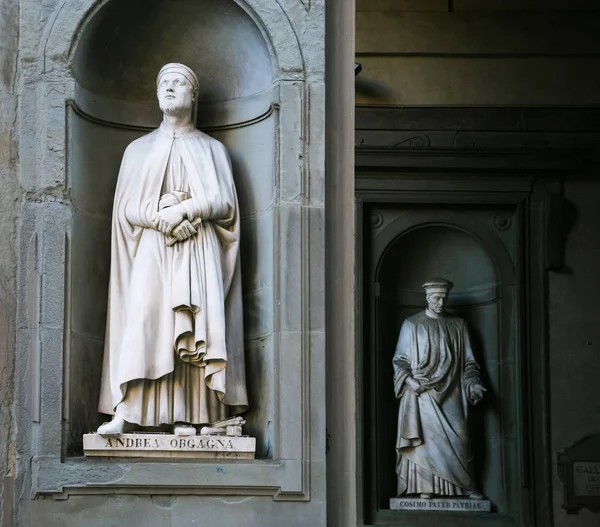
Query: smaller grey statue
pixel 436 379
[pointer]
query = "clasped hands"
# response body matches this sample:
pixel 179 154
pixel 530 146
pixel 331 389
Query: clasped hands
pixel 171 218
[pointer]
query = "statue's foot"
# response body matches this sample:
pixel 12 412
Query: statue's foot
pixel 115 427
pixel 476 496
pixel 426 495
pixel 181 429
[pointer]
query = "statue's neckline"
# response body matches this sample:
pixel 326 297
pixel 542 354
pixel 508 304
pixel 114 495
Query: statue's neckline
pixel 431 314
pixel 175 133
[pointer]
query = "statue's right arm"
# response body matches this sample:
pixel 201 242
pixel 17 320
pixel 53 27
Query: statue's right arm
pixel 141 214
pixel 130 206
pixel 401 361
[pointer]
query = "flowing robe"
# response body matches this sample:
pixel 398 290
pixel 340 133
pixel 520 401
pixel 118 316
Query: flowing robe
pixel 174 333
pixel 432 445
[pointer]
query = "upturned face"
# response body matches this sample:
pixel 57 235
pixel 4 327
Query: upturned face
pixel 175 94
pixel 436 302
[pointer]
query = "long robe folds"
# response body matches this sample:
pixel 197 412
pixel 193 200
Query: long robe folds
pixel 174 334
pixel 432 445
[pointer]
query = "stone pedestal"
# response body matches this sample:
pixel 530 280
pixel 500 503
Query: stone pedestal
pixel 169 446
pixel 440 504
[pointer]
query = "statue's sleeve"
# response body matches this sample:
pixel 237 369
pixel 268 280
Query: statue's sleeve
pixel 471 368
pixel 405 348
pixel 222 206
pixel 141 214
pixel 138 212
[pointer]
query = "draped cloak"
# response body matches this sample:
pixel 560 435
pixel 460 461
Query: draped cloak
pixel 432 445
pixel 178 306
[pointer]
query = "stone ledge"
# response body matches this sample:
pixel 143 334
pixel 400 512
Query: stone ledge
pixel 169 446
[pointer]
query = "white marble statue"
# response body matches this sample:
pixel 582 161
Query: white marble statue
pixel 174 336
pixel 436 378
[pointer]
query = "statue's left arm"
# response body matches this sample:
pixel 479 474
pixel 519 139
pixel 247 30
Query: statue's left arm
pixel 220 202
pixel 471 372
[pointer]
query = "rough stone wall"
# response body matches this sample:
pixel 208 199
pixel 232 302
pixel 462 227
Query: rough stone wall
pixel 9 203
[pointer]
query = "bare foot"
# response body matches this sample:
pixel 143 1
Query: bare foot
pixel 115 427
pixel 426 495
pixel 182 429
pixel 476 496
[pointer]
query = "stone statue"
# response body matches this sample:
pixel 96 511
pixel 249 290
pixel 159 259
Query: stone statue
pixel 174 352
pixel 436 377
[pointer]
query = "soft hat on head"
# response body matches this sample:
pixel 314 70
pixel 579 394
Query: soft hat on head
pixel 181 69
pixel 438 285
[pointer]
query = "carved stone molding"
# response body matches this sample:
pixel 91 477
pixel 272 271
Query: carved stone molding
pixel 549 138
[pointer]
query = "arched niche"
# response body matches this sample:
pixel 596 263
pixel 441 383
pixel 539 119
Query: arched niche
pixel 119 51
pixel 405 253
pixel 125 44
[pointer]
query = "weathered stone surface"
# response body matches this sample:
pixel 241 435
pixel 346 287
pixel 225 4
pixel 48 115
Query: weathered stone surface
pixel 168 511
pixel 9 29
pixel 9 204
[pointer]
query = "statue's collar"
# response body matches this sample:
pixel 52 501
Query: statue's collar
pixel 431 314
pixel 176 132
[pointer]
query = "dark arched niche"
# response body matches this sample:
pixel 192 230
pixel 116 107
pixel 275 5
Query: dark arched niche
pixel 125 44
pixel 410 254
pixel 440 251
pixel 117 57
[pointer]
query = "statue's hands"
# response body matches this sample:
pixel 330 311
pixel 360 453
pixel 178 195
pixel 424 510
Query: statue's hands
pixel 476 393
pixel 415 385
pixel 167 200
pixel 170 199
pixel 167 219
pixel 182 232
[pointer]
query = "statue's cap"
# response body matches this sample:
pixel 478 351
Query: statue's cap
pixel 182 69
pixel 438 285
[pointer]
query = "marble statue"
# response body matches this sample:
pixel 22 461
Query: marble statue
pixel 174 353
pixel 436 378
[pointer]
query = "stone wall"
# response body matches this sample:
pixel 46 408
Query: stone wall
pixel 9 202
pixel 419 53
pixel 575 337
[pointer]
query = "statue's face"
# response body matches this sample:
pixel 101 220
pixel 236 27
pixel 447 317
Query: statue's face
pixel 436 302
pixel 175 94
